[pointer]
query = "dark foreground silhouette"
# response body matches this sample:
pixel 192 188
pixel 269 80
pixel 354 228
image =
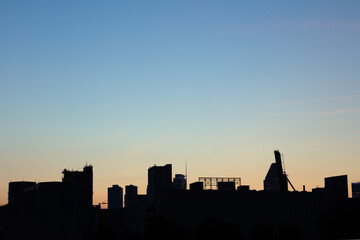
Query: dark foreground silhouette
pixel 64 210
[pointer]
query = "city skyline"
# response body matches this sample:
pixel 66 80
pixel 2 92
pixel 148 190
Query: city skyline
pixel 126 85
pixel 64 210
pixel 202 178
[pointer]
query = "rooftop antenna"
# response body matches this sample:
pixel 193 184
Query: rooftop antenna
pixel 185 175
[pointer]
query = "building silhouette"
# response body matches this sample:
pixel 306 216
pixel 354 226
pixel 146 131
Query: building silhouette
pixel 115 197
pixel 131 193
pixel 337 186
pixel 197 186
pixel 179 182
pixel 159 180
pixel 355 189
pixel 16 189
pixel 226 186
pixel 276 179
pixel 52 210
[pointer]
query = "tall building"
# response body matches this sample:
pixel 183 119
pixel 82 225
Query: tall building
pixel 78 186
pixel 179 182
pixel 337 186
pixel 52 210
pixel 131 193
pixel 276 180
pixel 80 183
pixel 355 187
pixel 159 180
pixel 115 197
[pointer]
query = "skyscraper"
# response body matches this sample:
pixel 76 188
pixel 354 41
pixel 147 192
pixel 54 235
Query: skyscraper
pixel 179 182
pixel 131 193
pixel 337 186
pixel 52 210
pixel 276 180
pixel 115 197
pixel 355 189
pixel 80 183
pixel 159 180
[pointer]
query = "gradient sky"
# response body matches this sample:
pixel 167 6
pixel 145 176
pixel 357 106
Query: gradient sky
pixel 124 85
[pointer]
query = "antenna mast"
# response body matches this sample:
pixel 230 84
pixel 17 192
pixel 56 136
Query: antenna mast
pixel 185 175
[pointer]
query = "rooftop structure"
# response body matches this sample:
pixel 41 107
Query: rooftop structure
pixel 213 182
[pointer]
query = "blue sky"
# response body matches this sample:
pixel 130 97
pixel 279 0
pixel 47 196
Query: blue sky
pixel 128 84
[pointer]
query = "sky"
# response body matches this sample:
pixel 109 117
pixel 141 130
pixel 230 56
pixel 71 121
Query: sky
pixel 219 85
